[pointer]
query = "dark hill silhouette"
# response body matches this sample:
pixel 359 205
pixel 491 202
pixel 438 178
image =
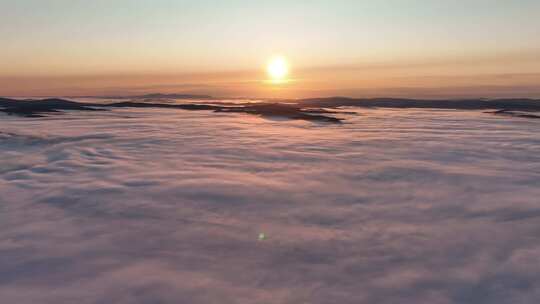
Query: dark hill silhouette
pixel 515 114
pixel 464 104
pixel 305 109
pixel 154 96
pixel 188 106
pixel 283 110
pixel 36 108
pixel 33 108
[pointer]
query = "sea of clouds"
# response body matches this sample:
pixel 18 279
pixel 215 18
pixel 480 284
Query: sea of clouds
pixel 161 206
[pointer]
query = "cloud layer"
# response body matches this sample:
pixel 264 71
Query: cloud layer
pixel 157 206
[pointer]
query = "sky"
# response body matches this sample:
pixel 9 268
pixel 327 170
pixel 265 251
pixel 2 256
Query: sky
pixel 409 48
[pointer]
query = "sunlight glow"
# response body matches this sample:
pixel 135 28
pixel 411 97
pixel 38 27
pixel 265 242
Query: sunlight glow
pixel 278 69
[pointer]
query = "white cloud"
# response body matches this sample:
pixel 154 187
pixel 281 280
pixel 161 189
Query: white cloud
pixel 162 206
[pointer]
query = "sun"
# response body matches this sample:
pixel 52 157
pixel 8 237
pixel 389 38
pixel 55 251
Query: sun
pixel 277 69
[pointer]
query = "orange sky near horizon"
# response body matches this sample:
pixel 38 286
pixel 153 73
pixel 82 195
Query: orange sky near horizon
pixel 459 78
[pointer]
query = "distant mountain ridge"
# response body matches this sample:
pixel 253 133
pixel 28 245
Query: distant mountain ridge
pixel 305 109
pixel 37 108
pixel 33 108
pixel 155 96
pixel 522 104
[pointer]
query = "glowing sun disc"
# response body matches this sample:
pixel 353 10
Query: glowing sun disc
pixel 277 69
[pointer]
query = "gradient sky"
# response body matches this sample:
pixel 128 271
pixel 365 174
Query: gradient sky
pixel 412 48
